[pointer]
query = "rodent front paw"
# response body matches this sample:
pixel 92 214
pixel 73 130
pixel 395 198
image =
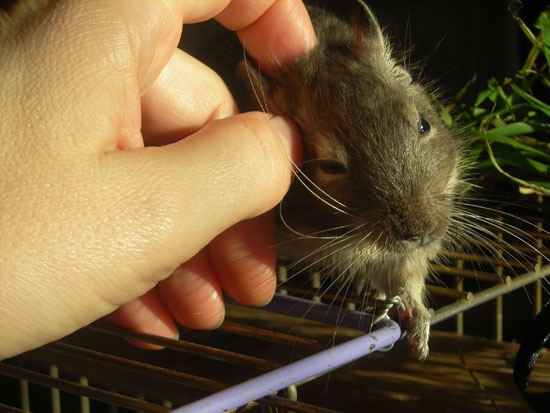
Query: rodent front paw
pixel 419 334
pixel 416 320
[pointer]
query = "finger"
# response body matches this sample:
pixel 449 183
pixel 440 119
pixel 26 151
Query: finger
pixel 147 314
pixel 272 31
pixel 154 28
pixel 190 191
pixel 244 259
pixel 193 294
pixel 248 277
pixel 186 95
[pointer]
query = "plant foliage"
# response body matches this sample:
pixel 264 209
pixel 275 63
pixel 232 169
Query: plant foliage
pixel 510 119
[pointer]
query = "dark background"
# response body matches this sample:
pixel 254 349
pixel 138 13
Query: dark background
pixel 447 42
pixel 453 40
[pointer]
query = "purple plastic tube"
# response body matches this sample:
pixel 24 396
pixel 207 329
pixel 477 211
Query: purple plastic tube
pixel 329 314
pixel 387 332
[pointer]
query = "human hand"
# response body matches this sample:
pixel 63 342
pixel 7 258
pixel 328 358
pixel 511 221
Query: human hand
pixel 94 214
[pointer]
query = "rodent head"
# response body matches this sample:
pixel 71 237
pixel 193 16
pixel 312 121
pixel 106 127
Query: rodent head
pixel 380 167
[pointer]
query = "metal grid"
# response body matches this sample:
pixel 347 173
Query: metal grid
pixel 95 370
pixel 104 372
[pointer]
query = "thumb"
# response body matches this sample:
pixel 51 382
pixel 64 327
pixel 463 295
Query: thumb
pixel 231 170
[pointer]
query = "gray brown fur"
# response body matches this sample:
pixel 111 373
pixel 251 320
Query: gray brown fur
pixel 375 196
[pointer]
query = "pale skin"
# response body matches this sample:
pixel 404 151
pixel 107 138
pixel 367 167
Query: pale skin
pixel 131 187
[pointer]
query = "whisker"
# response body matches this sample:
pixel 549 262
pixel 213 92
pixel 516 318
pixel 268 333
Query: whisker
pixel 305 180
pixel 261 102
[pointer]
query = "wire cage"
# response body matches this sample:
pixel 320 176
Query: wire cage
pixel 261 359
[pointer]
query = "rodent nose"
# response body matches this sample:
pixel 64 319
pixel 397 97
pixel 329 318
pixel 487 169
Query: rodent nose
pixel 420 239
pixel 413 241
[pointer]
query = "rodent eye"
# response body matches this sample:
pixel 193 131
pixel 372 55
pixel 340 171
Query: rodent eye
pixel 332 167
pixel 423 126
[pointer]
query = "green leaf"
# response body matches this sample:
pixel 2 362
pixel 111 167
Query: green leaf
pixel 543 24
pixel 533 101
pixel 511 129
pixel 514 143
pixel 539 167
pixel 484 95
pixel 540 187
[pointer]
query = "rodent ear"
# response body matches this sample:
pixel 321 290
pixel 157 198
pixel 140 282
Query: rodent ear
pixel 402 74
pixel 366 27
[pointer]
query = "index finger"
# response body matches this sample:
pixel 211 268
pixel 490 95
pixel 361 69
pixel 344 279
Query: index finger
pixel 272 31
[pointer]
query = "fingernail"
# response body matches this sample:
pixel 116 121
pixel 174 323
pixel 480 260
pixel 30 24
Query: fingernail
pixel 290 137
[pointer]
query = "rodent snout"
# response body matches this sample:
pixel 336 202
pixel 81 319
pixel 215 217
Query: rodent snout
pixel 416 239
pixel 414 232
